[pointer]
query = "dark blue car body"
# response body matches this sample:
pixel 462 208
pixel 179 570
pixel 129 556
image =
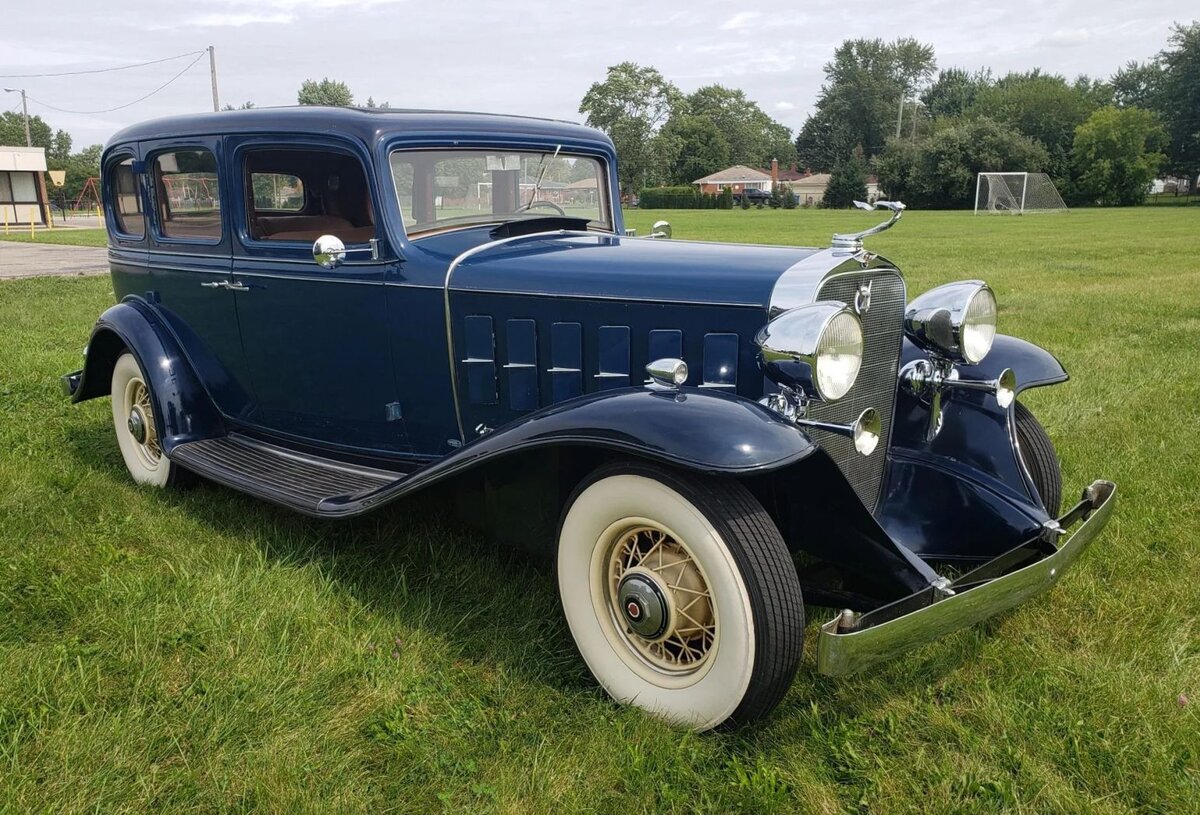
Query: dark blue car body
pixel 508 367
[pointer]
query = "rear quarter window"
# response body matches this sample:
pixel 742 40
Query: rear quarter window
pixel 126 199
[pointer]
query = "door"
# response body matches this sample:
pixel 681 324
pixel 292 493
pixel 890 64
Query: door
pixel 189 260
pixel 316 339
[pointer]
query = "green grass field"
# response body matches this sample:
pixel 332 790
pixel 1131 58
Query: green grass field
pixel 70 237
pixel 203 652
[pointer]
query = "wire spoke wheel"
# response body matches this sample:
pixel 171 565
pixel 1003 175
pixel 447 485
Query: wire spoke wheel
pixel 141 422
pixel 646 560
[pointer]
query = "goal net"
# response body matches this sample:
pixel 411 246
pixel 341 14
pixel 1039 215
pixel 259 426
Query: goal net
pixel 1016 193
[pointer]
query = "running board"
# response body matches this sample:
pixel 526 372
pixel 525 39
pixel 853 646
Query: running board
pixel 284 477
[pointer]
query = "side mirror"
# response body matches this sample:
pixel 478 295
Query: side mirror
pixel 661 229
pixel 329 252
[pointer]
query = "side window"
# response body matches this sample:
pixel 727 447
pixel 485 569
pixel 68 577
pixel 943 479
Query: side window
pixel 127 204
pixel 188 195
pixel 277 192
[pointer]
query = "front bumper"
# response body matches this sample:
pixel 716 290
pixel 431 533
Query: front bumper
pixel 848 643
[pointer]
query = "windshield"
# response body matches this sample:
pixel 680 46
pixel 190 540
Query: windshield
pixel 444 189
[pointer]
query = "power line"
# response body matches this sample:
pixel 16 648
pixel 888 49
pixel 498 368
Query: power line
pixel 99 70
pixel 127 104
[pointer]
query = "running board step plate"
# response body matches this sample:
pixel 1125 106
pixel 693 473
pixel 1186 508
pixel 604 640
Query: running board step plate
pixel 282 476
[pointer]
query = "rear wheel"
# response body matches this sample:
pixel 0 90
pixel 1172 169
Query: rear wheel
pixel 1041 461
pixel 137 428
pixel 681 594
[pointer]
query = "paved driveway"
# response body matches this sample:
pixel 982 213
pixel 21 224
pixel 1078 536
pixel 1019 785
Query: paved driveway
pixel 41 259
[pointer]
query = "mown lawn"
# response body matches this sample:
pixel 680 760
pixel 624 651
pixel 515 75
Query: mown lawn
pixel 203 652
pixel 71 237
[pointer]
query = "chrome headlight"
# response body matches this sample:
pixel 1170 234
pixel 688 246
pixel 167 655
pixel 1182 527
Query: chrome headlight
pixel 816 348
pixel 956 321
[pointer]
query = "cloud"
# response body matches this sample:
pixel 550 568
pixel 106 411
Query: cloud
pixel 237 19
pixel 1066 38
pixel 740 20
pixel 784 106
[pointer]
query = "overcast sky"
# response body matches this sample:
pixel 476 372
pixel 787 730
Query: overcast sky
pixel 534 57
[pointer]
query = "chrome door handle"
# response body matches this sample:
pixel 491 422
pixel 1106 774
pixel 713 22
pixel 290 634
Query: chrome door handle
pixel 237 285
pixel 216 284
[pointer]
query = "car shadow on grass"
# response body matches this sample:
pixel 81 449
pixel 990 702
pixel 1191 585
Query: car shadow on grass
pixel 418 563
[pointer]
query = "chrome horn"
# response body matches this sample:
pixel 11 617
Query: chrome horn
pixel 793 405
pixel 854 240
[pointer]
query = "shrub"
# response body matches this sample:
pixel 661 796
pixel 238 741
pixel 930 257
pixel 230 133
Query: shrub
pixel 676 198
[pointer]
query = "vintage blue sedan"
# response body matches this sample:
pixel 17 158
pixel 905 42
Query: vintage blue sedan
pixel 332 309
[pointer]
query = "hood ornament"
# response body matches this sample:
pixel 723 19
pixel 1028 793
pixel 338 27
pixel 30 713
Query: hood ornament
pixel 854 240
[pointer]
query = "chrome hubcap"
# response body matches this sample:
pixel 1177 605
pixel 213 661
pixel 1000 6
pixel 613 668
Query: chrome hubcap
pixel 137 425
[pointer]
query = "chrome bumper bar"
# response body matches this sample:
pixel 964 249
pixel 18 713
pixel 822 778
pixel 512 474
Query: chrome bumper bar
pixel 848 643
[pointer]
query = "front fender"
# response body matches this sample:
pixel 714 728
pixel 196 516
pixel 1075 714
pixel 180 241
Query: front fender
pixel 700 430
pixel 1033 365
pixel 965 494
pixel 183 409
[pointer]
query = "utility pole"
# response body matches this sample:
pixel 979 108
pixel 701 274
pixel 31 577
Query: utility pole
pixel 212 70
pixel 900 112
pixel 24 112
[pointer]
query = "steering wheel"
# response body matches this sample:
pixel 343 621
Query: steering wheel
pixel 547 204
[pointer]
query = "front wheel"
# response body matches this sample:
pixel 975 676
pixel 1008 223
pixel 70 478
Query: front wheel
pixel 1040 460
pixel 681 594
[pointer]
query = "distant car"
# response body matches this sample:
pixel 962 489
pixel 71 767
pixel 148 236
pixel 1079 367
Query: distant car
pixel 753 196
pixel 332 309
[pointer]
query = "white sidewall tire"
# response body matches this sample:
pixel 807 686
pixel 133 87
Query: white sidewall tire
pixel 701 700
pixel 126 371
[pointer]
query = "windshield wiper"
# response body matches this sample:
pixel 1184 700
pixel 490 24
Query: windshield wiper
pixel 537 186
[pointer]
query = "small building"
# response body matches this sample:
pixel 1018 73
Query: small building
pixel 738 177
pixel 809 188
pixel 22 187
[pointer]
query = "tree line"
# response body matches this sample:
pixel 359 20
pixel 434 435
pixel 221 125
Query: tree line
pixel 885 108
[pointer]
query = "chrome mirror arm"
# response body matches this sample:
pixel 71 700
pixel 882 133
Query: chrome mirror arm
pixel 854 240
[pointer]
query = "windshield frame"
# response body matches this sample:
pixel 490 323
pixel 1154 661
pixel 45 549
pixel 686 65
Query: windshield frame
pixel 603 185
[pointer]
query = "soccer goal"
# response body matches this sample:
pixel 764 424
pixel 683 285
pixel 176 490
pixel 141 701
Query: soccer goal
pixel 1016 193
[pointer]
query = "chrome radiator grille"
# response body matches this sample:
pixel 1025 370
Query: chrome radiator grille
pixel 883 333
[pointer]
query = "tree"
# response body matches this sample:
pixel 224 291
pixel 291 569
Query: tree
pixel 1138 85
pixel 1117 155
pixel 1180 99
pixel 1043 107
pixel 703 149
pixel 631 105
pixel 865 84
pixel 242 106
pixel 955 91
pixel 939 172
pixel 847 183
pixel 326 92
pixel 381 105
pixel 12 133
pixel 754 138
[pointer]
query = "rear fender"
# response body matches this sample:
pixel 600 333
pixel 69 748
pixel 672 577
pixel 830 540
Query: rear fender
pixel 183 410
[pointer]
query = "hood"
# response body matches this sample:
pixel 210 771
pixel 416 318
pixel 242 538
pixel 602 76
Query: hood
pixel 580 265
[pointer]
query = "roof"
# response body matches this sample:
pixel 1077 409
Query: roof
pixel 22 159
pixel 583 184
pixel 368 124
pixel 738 172
pixel 816 179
